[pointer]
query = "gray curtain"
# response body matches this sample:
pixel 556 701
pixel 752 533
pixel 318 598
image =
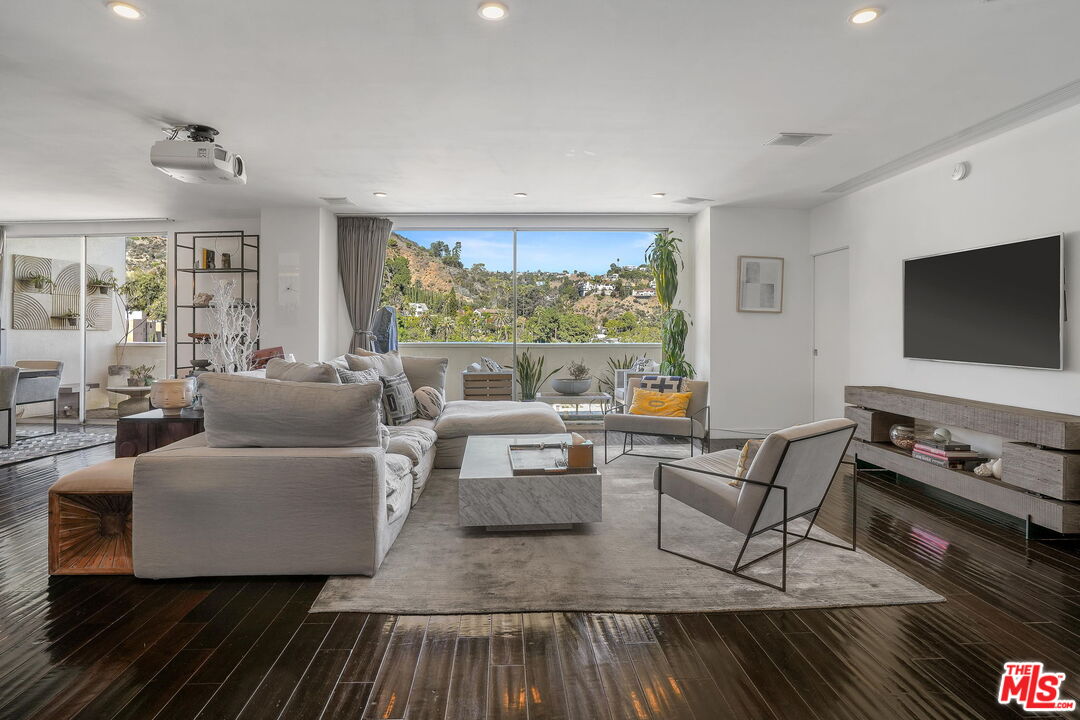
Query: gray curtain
pixel 361 255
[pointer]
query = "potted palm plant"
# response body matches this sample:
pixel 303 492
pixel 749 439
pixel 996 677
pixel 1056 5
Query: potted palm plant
pixel 578 382
pixel 664 257
pixel 530 374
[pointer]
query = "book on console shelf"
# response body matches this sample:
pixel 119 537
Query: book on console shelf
pixel 946 454
pixel 960 463
pixel 943 446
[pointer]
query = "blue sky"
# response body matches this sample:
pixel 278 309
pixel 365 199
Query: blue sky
pixel 591 251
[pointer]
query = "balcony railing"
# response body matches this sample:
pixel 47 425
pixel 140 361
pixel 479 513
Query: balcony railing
pixel 462 354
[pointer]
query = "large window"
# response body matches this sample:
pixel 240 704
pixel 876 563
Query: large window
pixel 523 286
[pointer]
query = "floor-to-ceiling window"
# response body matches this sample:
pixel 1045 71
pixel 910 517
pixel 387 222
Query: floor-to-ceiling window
pixel 568 295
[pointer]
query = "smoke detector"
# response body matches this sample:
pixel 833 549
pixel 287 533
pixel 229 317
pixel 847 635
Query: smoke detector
pixel 788 139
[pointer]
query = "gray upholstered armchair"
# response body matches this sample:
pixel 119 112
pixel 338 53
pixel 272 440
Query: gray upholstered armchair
pixel 695 426
pixel 9 380
pixel 39 382
pixel 787 481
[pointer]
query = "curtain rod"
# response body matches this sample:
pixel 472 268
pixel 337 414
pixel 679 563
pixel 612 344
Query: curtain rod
pixel 84 220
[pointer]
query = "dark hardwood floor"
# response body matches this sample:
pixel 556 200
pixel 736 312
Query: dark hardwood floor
pixel 116 647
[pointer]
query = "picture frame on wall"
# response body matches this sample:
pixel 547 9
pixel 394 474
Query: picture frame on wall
pixel 760 286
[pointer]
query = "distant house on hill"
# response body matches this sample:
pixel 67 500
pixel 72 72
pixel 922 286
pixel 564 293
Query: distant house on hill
pixel 590 288
pixel 644 293
pixel 418 309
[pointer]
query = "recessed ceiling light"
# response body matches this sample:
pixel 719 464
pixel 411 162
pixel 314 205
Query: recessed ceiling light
pixel 379 194
pixel 493 10
pixel 521 194
pixel 866 15
pixel 126 10
pixel 659 195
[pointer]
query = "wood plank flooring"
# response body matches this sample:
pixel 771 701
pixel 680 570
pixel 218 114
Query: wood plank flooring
pixel 118 647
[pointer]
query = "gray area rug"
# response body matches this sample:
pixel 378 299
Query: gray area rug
pixel 32 443
pixel 436 567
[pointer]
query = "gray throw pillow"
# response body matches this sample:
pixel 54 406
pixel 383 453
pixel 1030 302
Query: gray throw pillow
pixel 425 371
pixel 398 400
pixel 358 376
pixel 388 364
pixel 278 369
pixel 252 412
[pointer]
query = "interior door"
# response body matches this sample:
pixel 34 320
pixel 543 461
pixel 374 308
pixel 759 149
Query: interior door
pixel 830 333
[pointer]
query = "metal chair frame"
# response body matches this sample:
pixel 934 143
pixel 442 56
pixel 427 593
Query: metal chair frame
pixel 781 526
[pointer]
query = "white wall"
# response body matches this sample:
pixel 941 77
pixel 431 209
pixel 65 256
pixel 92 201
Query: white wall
pixel 760 363
pixel 1023 184
pixel 698 258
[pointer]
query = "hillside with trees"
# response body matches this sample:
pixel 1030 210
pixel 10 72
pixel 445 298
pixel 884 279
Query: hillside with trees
pixel 439 299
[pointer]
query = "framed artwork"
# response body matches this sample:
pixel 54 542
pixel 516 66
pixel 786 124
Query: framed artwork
pixel 45 294
pixel 761 284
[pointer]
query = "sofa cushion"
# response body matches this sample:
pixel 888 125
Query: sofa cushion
pixel 420 422
pixel 461 418
pixel 398 399
pixel 425 371
pixel 278 369
pixel 388 364
pixel 252 412
pixel 674 426
pixel 411 441
pixel 399 485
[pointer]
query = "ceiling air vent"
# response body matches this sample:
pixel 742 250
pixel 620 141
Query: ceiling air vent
pixel 337 200
pixel 798 139
pixel 693 201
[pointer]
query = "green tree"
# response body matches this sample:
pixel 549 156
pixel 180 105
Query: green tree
pixel 147 290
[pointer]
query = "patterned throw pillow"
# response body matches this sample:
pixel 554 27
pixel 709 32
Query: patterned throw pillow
pixel 642 364
pixel 490 365
pixel 362 377
pixel 660 404
pixel 746 457
pixel 429 403
pixel 398 399
pixel 663 383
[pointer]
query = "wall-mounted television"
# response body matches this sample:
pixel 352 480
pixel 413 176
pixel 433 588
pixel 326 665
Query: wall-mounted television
pixel 998 305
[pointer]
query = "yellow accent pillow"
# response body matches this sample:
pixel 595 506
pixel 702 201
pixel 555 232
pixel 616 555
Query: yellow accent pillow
pixel 746 457
pixel 658 404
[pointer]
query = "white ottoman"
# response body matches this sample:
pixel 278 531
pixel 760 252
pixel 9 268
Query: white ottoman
pixel 462 418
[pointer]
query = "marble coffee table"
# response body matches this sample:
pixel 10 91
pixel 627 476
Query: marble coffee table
pixel 492 497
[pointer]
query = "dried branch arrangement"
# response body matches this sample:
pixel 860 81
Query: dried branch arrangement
pixel 234 330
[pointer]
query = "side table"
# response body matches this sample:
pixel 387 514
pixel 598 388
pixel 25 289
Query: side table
pixel 146 431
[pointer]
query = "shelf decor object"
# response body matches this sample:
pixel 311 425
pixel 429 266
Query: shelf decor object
pixel 1039 478
pixel 197 287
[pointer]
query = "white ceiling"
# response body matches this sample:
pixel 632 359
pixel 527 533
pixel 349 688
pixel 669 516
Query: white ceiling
pixel 587 105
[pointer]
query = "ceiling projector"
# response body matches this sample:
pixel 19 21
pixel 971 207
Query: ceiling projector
pixel 197 159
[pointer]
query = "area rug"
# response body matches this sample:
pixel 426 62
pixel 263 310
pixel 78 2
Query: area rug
pixel 34 443
pixel 436 567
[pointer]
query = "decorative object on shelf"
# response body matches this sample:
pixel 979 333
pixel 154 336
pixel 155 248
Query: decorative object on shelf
pixel 902 436
pixel 39 281
pixel 208 259
pixel 996 468
pixel 200 363
pixel 942 435
pixel 101 286
pixel 665 260
pixel 260 358
pixel 71 317
pixel 226 261
pixel 172 395
pixel 200 337
pixel 234 326
pixel 141 375
pixel 761 284
pixel 579 380
pixel 984 470
pixel 530 375
pixel 202 300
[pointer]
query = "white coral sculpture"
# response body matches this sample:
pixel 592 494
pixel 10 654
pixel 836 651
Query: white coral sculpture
pixel 234 330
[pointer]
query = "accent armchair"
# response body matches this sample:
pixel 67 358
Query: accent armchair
pixel 9 381
pixel 39 382
pixel 787 481
pixel 695 426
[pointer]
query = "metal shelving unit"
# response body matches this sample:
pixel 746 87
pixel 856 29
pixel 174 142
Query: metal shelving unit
pixel 186 248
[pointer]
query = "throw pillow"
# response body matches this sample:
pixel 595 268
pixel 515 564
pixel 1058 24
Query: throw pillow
pixel 490 365
pixel 660 404
pixel 663 383
pixel 363 377
pixel 429 403
pixel 425 371
pixel 642 364
pixel 746 458
pixel 398 399
pixel 388 364
pixel 279 369
pixel 252 412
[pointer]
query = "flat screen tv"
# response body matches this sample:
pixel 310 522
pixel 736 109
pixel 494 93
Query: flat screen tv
pixel 999 305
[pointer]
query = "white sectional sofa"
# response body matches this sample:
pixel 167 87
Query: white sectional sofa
pixel 255 504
